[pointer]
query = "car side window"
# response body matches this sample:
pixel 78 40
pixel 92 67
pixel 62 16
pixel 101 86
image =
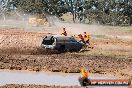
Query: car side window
pixel 73 40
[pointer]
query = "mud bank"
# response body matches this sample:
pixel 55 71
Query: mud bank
pixel 67 63
pixel 35 86
pixel 45 86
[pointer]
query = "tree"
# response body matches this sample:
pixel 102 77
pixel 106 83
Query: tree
pixel 115 12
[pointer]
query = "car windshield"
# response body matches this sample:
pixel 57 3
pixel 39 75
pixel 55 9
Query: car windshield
pixel 48 40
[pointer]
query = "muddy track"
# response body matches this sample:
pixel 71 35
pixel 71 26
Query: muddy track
pixel 21 50
pixel 39 86
pixel 36 86
pixel 20 42
pixel 68 63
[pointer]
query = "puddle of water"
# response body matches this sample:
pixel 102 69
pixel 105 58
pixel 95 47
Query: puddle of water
pixel 45 78
pixel 42 78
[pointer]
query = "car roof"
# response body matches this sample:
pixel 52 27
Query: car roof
pixel 60 37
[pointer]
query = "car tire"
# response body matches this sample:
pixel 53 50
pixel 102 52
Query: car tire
pixel 62 49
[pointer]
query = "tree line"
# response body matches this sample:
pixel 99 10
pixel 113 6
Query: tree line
pixel 111 12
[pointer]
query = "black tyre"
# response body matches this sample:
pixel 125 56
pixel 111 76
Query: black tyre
pixel 62 49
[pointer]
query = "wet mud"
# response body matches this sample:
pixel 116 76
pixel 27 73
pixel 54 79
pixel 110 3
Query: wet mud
pixel 21 50
pixel 35 86
pixel 68 63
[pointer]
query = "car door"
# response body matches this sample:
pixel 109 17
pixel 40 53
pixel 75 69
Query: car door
pixel 73 43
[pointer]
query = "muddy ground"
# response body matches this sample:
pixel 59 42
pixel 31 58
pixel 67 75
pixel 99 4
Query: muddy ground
pixel 39 86
pixel 21 50
pixel 35 86
pixel 68 63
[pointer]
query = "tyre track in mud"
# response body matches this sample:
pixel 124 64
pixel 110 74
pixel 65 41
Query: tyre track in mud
pixel 4 38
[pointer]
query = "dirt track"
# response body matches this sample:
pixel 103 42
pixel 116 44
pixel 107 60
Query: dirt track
pixel 39 86
pixel 21 51
pixel 63 63
pixel 12 41
pixel 36 86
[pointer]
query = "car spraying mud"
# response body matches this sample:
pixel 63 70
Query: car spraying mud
pixel 61 43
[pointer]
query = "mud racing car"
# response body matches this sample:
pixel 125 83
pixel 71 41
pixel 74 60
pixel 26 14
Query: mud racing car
pixel 61 43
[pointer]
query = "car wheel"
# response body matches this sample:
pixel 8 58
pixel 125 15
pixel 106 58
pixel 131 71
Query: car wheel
pixel 62 49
